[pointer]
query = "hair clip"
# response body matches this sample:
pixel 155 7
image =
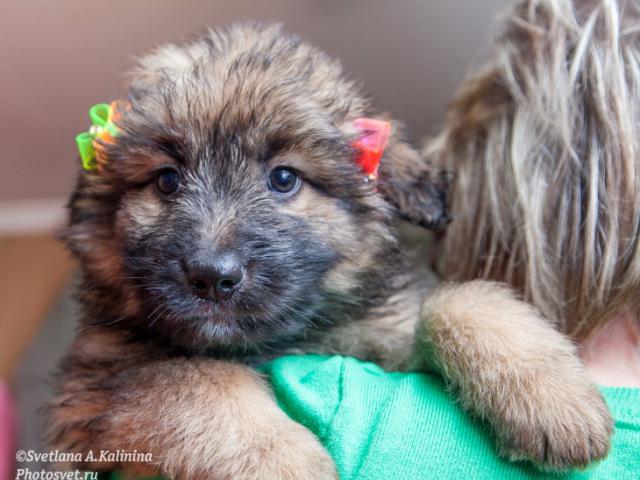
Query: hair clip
pixel 103 130
pixel 371 142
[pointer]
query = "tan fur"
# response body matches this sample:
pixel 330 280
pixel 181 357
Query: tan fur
pixel 140 166
pixel 505 362
pixel 202 419
pixel 509 366
pixel 385 336
pixel 179 63
pixel 334 224
pixel 140 208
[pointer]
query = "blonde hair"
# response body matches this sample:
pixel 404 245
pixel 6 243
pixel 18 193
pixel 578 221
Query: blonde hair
pixel 544 143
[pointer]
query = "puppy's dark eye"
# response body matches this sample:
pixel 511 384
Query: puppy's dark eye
pixel 284 180
pixel 168 181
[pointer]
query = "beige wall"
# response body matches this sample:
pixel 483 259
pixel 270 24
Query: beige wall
pixel 58 57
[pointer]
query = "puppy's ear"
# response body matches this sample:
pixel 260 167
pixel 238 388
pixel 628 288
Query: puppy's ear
pixel 414 187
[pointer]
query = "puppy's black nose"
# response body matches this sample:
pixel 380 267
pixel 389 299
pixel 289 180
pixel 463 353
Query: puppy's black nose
pixel 215 278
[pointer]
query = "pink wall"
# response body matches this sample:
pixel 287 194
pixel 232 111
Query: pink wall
pixel 59 57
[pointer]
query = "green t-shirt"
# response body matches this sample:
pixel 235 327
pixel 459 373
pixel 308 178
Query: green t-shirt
pixel 404 426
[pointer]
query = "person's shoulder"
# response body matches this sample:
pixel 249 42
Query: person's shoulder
pixel 375 422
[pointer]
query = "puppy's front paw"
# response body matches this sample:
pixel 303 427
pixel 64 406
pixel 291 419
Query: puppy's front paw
pixel 294 453
pixel 512 368
pixel 560 428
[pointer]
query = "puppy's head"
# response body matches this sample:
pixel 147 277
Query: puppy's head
pixel 231 212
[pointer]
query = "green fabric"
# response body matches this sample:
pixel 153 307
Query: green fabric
pixel 401 426
pixel 404 426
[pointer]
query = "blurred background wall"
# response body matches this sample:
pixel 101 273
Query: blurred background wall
pixel 58 57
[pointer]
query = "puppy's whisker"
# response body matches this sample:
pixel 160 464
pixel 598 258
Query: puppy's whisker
pixel 102 325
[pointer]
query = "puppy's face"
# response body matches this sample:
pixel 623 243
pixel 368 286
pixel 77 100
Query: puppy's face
pixel 239 237
pixel 231 213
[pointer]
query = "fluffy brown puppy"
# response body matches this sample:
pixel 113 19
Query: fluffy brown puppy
pixel 230 223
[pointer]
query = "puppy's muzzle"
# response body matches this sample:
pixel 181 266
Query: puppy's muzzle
pixel 215 277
